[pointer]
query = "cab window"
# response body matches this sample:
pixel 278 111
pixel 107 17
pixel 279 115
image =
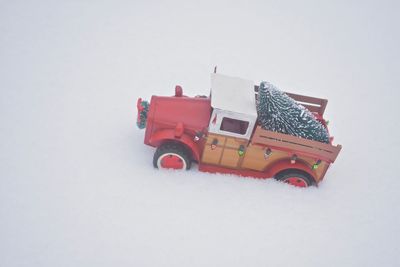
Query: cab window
pixel 234 126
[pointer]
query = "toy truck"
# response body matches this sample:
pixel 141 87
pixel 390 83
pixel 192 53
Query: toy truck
pixel 221 133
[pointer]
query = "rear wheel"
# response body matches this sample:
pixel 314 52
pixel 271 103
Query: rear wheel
pixel 295 177
pixel 172 156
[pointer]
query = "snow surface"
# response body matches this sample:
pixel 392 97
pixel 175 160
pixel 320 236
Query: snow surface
pixel 77 186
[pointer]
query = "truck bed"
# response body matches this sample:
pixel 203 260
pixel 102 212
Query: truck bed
pixel 326 152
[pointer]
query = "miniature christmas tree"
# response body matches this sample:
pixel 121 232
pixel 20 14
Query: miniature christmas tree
pixel 279 113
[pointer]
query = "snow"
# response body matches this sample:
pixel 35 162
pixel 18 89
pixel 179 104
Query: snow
pixel 77 186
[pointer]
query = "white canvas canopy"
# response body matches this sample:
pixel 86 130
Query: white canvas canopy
pixel 233 94
pixel 232 98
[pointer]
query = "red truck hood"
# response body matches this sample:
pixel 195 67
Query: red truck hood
pixel 166 112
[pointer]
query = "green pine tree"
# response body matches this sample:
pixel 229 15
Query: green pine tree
pixel 279 113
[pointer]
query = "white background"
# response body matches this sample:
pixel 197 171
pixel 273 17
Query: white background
pixel 77 186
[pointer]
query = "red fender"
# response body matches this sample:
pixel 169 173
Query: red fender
pixel 161 136
pixel 285 165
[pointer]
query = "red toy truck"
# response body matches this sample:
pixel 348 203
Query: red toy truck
pixel 221 133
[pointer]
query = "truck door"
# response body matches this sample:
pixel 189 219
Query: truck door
pixel 227 139
pixel 213 149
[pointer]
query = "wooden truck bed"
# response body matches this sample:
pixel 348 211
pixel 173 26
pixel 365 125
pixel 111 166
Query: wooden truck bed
pixel 300 146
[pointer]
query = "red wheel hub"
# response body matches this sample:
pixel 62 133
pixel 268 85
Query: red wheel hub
pixel 296 181
pixel 170 161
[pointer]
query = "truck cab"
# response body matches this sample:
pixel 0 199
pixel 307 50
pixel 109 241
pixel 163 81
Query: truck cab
pixel 232 122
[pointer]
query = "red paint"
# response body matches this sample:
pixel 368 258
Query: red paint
pixel 161 136
pixel 284 165
pixel 296 181
pixel 165 112
pixel 242 172
pixel 179 130
pixel 172 162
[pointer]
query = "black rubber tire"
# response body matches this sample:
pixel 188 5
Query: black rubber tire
pixel 282 176
pixel 172 147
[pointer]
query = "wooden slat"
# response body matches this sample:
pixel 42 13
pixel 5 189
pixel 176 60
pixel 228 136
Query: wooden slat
pixel 279 140
pixel 318 103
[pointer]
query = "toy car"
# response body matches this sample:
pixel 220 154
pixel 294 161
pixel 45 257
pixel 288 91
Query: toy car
pixel 221 132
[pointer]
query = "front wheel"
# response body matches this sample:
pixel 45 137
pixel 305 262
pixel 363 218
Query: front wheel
pixel 295 177
pixel 172 156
